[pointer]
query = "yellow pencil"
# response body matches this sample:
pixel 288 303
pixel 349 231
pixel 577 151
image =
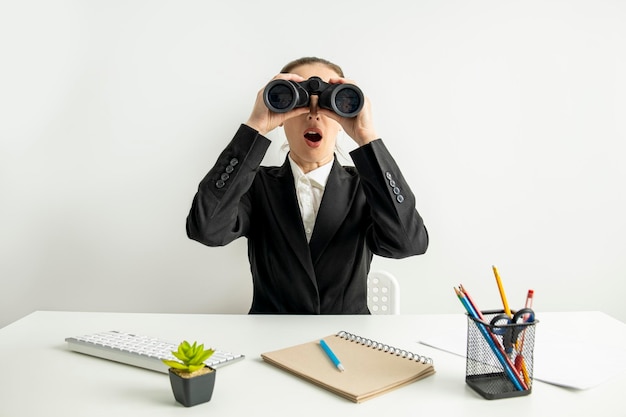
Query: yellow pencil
pixel 507 310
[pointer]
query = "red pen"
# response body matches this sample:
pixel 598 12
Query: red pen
pixel 520 366
pixel 529 299
pixel 529 302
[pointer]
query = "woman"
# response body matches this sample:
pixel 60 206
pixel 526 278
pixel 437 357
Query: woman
pixel 312 225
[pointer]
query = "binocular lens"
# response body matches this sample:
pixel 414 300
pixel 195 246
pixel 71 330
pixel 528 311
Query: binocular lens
pixel 280 97
pixel 348 101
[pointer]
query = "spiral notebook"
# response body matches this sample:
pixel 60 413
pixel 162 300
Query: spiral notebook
pixel 371 368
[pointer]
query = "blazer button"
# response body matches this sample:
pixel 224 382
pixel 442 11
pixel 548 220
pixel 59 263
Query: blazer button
pixel 392 183
pixel 220 184
pixel 400 198
pixel 229 169
pixel 234 161
pixel 388 175
pixel 225 176
pixel 396 190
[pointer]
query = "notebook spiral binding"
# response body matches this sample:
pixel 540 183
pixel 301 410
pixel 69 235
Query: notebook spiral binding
pixel 384 347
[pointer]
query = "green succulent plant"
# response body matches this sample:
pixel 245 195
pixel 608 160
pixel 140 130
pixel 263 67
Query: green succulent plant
pixel 191 357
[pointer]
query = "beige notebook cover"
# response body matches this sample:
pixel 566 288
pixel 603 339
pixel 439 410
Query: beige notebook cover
pixel 371 368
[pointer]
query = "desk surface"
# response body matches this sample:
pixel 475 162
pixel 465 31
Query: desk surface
pixel 41 377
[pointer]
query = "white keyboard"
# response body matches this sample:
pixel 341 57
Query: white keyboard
pixel 144 352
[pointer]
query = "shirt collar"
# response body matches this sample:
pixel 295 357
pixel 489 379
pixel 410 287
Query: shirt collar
pixel 317 177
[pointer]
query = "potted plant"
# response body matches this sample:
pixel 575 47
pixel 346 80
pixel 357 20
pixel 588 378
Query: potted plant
pixel 192 381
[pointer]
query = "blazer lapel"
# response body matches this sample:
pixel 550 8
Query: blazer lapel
pixel 284 203
pixel 338 195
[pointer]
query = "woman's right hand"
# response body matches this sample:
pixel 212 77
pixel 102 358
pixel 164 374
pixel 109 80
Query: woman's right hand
pixel 263 119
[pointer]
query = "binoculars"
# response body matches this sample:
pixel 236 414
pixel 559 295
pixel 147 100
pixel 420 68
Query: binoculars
pixel 280 96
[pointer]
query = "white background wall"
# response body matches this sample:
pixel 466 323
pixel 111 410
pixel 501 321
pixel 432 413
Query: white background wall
pixel 508 119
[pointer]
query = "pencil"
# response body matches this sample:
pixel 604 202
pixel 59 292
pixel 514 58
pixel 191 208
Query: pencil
pixel 505 303
pixel 462 292
pixel 507 366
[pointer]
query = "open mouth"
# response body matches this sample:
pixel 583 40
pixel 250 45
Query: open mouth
pixel 313 135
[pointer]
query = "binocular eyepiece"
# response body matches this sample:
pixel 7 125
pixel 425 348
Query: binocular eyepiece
pixel 346 100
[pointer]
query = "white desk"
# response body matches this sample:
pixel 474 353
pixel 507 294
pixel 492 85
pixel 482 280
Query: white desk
pixel 40 377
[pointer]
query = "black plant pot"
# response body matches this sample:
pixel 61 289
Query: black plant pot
pixel 192 391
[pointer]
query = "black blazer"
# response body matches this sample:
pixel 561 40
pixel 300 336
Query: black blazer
pixel 367 209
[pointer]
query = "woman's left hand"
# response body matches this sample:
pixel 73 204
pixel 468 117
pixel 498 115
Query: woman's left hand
pixel 361 127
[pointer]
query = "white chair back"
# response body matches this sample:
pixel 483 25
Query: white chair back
pixel 383 293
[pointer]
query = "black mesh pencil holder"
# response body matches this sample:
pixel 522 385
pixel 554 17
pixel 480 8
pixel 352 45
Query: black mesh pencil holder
pixel 500 353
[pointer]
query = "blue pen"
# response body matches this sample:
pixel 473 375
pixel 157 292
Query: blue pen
pixel 331 355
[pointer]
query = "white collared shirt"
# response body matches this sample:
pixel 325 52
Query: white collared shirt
pixel 309 190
